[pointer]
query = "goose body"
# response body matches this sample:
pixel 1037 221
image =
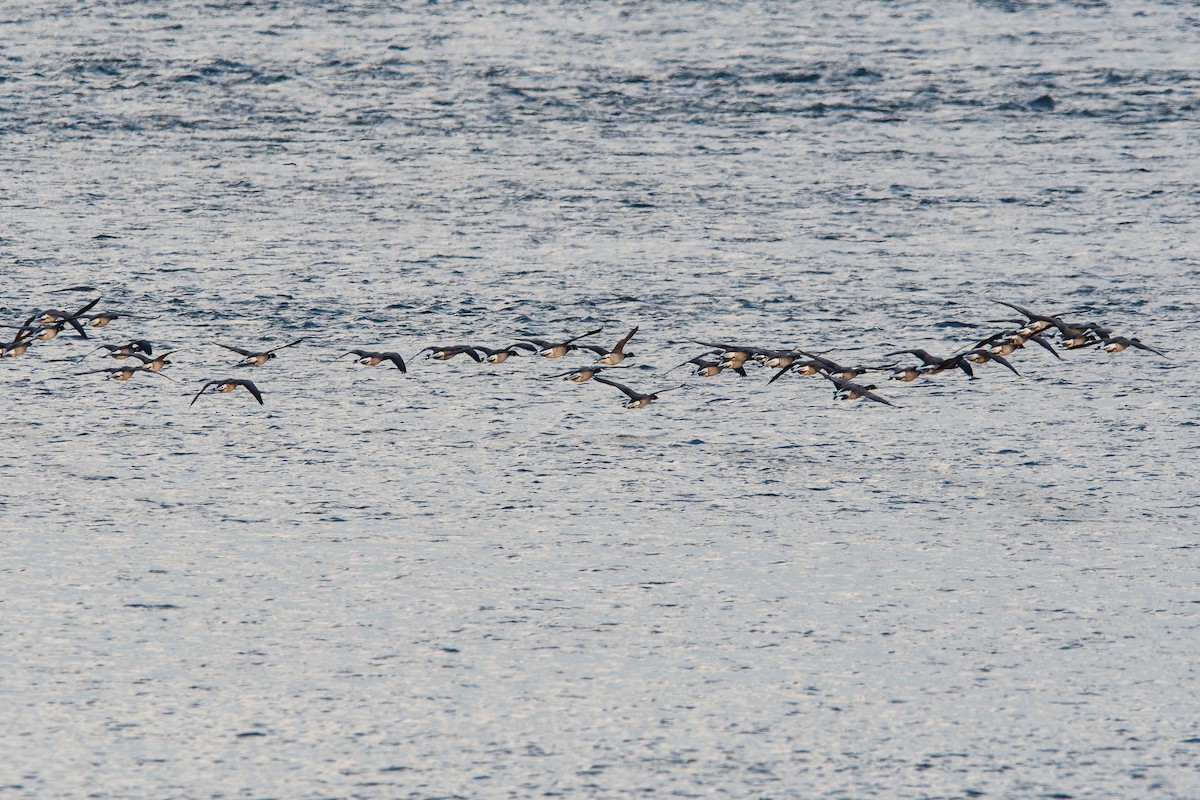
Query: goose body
pixel 228 385
pixel 252 358
pixel 440 353
pixel 1116 344
pixel 617 354
pixel 371 358
pixel 636 399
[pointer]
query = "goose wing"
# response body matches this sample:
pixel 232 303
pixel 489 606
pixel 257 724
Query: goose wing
pixel 994 337
pixel 872 396
pixel 726 348
pixel 580 336
pixel 698 360
pixel 1003 362
pixel 467 349
pixel 961 362
pixel 149 371
pixel 396 359
pixel 1041 340
pixel 1138 344
pixel 289 344
pixel 926 359
pixel 630 393
pixel 67 318
pixel 783 372
pixel 1029 315
pixel 838 383
pixel 621 344
pixel 85 309
pixel 251 388
pixel 203 388
pixel 89 352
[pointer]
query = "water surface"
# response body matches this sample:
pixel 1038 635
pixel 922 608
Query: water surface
pixel 469 582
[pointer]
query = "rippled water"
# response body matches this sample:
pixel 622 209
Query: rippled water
pixel 466 581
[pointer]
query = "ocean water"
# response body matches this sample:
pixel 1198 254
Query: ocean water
pixel 471 581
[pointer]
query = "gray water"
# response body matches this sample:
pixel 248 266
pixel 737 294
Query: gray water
pixel 469 582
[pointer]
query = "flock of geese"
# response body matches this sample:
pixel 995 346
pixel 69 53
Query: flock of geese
pixel 1049 332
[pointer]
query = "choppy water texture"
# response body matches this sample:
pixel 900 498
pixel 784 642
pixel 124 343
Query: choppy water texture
pixel 466 582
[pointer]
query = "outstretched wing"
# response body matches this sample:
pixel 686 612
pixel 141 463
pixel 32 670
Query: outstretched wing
pixel 962 363
pixel 782 372
pixel 289 344
pixel 1003 361
pixel 72 321
pixel 89 352
pixel 696 360
pixel 85 309
pixel 992 338
pixel 872 396
pixel 621 344
pixel 1138 344
pixel 630 393
pixel 926 359
pixel 250 387
pixel 580 336
pixel 469 351
pixel 202 388
pixel 831 366
pixel 1041 340
pixel 1028 314
pixel 396 359
pixel 237 350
